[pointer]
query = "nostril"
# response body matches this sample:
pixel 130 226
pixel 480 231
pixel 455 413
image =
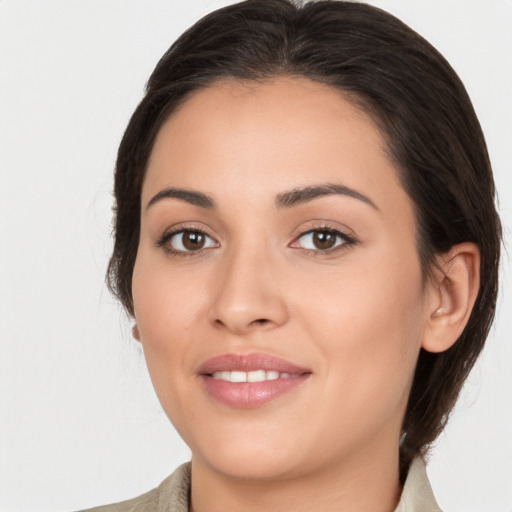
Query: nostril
pixel 242 326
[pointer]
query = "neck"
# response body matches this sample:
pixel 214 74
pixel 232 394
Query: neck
pixel 364 484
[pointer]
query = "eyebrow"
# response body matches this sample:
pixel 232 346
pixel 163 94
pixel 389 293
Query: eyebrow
pixel 302 195
pixel 189 196
pixel 287 199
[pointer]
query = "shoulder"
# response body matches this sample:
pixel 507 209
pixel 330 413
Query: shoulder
pixel 417 494
pixel 172 495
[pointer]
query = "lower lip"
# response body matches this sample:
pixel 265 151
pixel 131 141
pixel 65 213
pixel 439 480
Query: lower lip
pixel 247 395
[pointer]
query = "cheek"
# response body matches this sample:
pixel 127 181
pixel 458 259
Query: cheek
pixel 166 302
pixel 166 310
pixel 367 320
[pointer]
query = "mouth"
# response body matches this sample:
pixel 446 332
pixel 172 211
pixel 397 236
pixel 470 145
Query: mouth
pixel 253 376
pixel 249 381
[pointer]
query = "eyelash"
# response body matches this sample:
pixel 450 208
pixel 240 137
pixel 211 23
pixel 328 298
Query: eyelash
pixel 347 241
pixel 163 242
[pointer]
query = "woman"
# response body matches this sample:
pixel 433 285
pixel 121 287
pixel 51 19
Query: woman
pixel 307 241
pixel 46 330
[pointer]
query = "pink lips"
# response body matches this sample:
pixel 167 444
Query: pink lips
pixel 248 395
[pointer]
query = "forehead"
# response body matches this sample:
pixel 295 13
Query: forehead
pixel 296 110
pixel 246 139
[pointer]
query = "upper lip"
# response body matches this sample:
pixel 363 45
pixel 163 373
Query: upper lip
pixel 249 362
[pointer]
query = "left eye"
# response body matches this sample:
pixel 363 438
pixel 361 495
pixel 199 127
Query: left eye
pixel 321 240
pixel 188 241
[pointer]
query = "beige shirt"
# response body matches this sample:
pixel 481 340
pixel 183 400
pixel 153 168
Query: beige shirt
pixel 172 495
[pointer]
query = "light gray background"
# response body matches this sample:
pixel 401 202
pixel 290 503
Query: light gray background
pixel 79 423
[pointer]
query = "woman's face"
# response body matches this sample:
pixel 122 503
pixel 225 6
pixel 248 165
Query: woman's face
pixel 278 246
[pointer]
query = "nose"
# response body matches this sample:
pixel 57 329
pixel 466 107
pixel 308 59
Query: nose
pixel 247 294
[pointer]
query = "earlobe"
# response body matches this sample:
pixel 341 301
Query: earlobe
pixel 135 332
pixel 453 294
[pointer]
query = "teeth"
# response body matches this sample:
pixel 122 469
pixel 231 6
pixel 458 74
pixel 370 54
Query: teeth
pixel 238 377
pixel 253 376
pixel 256 376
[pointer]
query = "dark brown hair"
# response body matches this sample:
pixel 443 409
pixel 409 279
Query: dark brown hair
pixel 416 99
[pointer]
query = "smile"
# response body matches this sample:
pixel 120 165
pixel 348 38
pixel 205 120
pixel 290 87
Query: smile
pixel 249 381
pixel 253 376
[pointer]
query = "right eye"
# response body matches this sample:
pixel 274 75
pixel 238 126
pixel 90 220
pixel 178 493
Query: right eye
pixel 187 241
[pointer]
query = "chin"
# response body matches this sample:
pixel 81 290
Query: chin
pixel 249 457
pixel 251 466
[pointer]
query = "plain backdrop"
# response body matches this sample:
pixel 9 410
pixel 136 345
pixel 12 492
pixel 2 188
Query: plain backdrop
pixel 79 422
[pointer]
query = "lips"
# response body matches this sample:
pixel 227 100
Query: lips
pixel 247 381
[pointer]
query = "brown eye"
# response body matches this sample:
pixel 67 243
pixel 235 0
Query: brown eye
pixel 323 240
pixel 189 241
pixel 193 240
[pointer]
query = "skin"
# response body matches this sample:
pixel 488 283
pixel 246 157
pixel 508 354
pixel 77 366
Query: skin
pixel 356 317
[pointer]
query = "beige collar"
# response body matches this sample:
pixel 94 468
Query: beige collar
pixel 417 495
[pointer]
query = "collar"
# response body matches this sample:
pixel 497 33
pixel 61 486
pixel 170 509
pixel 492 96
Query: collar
pixel 417 495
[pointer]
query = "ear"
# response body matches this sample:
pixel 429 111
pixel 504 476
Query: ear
pixel 135 332
pixel 453 292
